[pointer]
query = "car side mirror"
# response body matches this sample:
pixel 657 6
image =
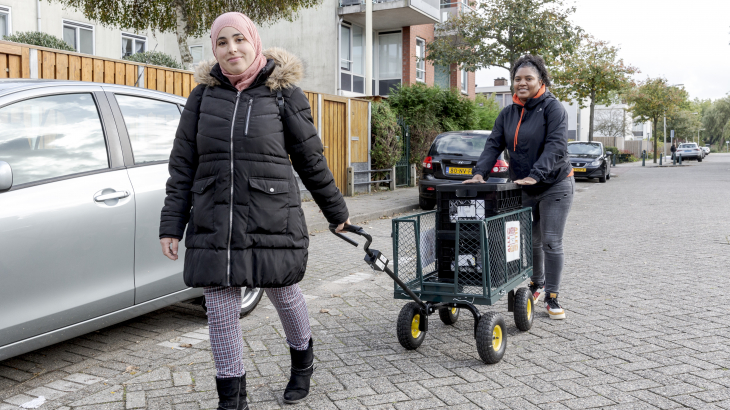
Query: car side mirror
pixel 6 176
pixel 609 153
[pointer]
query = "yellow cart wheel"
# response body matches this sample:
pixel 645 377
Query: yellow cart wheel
pixel 491 338
pixel 449 315
pixel 524 309
pixel 408 328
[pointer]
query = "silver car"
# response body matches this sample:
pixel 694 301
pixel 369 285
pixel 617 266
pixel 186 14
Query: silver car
pixel 83 168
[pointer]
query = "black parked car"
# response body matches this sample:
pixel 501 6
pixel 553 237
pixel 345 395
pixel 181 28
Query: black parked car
pixel 451 159
pixel 590 160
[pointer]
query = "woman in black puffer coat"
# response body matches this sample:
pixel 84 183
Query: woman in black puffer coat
pixel 232 183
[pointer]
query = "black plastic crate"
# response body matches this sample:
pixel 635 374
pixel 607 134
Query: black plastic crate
pixel 473 202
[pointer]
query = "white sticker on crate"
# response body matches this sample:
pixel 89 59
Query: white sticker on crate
pixel 512 237
pixel 466 209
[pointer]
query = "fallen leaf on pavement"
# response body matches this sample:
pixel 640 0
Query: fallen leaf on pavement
pixel 335 296
pixel 130 369
pixel 186 345
pixel 324 311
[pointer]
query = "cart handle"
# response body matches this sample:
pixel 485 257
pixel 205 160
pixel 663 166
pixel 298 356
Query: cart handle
pixel 356 230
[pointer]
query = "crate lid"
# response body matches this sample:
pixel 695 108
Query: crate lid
pixel 472 190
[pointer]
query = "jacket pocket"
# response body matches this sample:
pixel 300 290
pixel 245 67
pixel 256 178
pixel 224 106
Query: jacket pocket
pixel 203 205
pixel 268 210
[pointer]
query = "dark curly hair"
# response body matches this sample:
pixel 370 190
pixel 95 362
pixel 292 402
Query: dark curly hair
pixel 536 63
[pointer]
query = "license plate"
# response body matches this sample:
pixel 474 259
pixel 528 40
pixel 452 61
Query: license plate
pixel 461 171
pixel 579 169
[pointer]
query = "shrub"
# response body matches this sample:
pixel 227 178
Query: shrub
pixel 613 150
pixel 155 58
pixel 387 144
pixel 487 110
pixel 37 38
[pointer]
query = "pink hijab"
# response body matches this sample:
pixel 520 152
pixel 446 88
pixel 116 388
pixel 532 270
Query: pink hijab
pixel 243 24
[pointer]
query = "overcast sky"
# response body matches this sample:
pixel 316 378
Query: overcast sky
pixel 685 41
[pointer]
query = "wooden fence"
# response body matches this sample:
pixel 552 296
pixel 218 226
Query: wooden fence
pixel 343 123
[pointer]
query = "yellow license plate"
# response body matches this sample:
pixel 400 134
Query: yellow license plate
pixel 579 169
pixel 463 171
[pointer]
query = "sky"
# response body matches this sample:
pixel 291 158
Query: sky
pixel 685 41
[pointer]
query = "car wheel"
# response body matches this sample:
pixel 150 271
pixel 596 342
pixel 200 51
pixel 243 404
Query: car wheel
pixel 699 159
pixel 602 178
pixel 250 298
pixel 426 204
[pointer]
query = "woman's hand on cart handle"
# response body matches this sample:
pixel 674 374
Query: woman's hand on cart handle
pixel 341 227
pixel 169 247
pixel 476 179
pixel 526 181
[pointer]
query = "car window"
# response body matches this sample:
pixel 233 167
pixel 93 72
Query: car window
pixel 151 125
pixel 587 149
pixel 471 145
pixel 52 136
pixel 687 146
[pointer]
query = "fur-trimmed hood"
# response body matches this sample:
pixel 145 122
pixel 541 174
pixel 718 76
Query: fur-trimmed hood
pixel 288 70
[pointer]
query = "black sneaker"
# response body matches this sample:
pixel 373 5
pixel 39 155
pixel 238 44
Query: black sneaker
pixel 553 307
pixel 538 291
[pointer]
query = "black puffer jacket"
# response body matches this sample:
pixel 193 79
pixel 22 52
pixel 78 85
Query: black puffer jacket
pixel 540 150
pixel 246 226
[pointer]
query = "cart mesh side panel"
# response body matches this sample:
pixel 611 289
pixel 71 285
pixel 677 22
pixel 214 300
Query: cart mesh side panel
pixel 484 264
pixel 414 246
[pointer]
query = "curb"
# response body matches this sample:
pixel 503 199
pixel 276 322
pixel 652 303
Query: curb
pixel 355 219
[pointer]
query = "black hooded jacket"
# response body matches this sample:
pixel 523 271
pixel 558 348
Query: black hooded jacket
pixel 541 148
pixel 246 226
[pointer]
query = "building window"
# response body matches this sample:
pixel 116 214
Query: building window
pixel 133 44
pixel 464 81
pixel 80 36
pixel 4 21
pixel 390 57
pixel 420 62
pixel 352 59
pixel 197 53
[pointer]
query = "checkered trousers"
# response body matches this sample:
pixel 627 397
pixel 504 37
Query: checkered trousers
pixel 224 326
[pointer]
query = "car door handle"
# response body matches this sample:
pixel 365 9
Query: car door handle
pixel 113 195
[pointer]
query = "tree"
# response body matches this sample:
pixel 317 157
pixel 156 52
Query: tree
pixel 611 123
pixel 594 73
pixel 652 99
pixel 186 18
pixel 685 124
pixel 501 31
pixel 716 121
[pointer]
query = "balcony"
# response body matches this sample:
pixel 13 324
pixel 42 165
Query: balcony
pixel 392 14
pixel 451 9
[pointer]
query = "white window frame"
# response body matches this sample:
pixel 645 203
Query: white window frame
pixel 190 50
pixel 78 25
pixel 464 82
pixel 420 60
pixel 8 11
pixel 135 38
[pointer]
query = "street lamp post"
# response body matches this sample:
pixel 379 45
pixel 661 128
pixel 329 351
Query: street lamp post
pixel 665 121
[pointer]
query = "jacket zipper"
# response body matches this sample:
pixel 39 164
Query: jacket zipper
pixel 230 214
pixel 517 131
pixel 248 115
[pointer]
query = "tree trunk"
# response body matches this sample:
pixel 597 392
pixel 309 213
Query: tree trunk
pixel 656 139
pixel 182 35
pixel 590 121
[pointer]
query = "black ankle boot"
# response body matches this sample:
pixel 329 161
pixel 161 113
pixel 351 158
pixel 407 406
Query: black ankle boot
pixel 302 367
pixel 231 393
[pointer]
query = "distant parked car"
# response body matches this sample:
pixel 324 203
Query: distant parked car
pixel 590 160
pixel 706 150
pixel 690 150
pixel 83 169
pixel 451 159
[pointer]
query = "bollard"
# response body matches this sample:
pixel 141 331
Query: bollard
pixel 613 160
pixel 674 159
pixel 643 159
pixel 660 159
pixel 680 160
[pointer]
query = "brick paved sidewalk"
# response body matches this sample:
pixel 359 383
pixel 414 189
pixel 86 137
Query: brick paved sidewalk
pixel 647 326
